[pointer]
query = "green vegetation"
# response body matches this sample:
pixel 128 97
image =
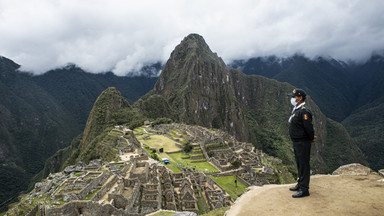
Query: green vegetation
pixel 34 125
pixel 267 135
pixel 183 159
pixel 229 185
pixel 155 156
pixel 339 141
pixel 367 128
pixel 163 213
pixel 236 164
pixel 202 204
pixel 91 195
pixel 159 141
pixel 162 121
pixel 187 147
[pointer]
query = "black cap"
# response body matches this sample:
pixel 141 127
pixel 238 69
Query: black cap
pixel 297 92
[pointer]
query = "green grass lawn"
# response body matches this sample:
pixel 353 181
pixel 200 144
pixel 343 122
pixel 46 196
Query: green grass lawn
pixel 200 166
pixel 160 141
pixel 228 183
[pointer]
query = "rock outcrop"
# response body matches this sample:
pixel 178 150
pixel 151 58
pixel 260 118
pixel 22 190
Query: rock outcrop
pixel 354 169
pixel 355 190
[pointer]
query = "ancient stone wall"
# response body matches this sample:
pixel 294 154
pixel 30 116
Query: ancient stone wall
pixel 134 194
pixel 105 189
pixel 84 208
pixel 93 184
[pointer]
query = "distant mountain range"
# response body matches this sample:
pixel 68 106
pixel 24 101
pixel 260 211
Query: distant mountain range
pixel 351 93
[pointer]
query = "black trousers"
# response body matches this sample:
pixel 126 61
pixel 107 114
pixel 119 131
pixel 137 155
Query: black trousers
pixel 302 151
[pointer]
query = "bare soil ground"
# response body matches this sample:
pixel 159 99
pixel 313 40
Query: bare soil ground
pixel 329 195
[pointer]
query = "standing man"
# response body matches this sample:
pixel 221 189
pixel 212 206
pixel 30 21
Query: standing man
pixel 302 134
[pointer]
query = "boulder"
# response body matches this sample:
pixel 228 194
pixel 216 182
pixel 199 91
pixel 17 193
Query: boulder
pixel 72 168
pixel 353 169
pixel 381 172
pixel 97 163
pixel 70 197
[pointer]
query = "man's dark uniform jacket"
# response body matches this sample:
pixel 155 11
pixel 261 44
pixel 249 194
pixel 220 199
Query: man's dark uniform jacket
pixel 301 127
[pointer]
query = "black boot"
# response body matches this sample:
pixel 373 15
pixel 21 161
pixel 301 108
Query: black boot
pixel 300 193
pixel 296 188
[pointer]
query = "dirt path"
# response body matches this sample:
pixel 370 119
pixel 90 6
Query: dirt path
pixel 329 195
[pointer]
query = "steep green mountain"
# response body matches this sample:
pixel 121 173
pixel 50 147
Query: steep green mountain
pixel 196 87
pixel 323 79
pixel 33 126
pixel 367 125
pixel 347 92
pixel 110 109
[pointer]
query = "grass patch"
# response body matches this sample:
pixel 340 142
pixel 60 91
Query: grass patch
pixel 90 195
pixel 228 183
pixel 202 204
pixel 200 166
pixel 78 174
pixel 139 130
pixel 172 165
pixel 163 213
pixel 160 141
pixel 217 212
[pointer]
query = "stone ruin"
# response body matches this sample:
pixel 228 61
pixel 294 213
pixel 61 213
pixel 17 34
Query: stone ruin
pixel 140 185
pixel 135 187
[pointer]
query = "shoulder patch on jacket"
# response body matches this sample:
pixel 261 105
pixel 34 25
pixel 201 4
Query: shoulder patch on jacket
pixel 305 116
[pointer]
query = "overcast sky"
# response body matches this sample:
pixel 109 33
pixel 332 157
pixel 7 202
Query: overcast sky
pixel 123 35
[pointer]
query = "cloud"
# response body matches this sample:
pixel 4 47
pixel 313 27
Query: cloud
pixel 122 36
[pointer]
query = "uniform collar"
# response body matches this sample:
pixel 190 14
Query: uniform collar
pixel 297 107
pixel 302 104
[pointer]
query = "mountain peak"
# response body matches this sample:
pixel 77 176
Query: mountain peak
pixel 193 41
pixel 109 102
pixel 191 59
pixel 7 66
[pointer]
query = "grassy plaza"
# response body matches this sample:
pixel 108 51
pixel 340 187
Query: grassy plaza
pixel 228 183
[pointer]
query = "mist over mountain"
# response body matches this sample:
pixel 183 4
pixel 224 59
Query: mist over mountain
pixel 120 36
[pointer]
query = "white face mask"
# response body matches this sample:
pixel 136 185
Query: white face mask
pixel 293 101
